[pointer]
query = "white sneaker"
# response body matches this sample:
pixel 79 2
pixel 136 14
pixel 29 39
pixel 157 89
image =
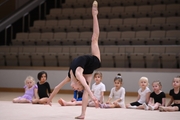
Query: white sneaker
pixel 151 107
pixel 145 106
pixel 132 107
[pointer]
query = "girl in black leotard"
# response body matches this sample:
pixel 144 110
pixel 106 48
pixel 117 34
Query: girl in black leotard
pixel 174 103
pixel 81 68
pixel 44 89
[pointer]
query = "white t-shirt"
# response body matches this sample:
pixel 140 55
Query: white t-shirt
pixel 119 94
pixel 142 95
pixel 97 89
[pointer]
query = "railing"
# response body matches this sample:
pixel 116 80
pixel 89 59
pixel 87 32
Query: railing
pixel 19 14
pixel 3 2
pixel 6 24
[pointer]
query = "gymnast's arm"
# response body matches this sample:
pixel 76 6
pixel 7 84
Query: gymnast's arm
pixel 80 77
pixel 57 88
pixel 36 93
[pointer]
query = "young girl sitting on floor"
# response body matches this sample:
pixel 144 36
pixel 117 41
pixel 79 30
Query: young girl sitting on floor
pixel 77 99
pixel 143 95
pixel 175 97
pixel 118 93
pixel 98 89
pixel 157 97
pixel 30 91
pixel 44 89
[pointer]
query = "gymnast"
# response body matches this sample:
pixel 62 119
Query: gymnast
pixel 82 68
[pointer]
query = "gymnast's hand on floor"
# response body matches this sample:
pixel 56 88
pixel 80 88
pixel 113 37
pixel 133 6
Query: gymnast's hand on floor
pixel 96 102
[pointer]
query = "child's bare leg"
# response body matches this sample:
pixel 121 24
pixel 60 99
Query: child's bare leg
pixel 70 103
pixel 43 100
pixel 94 43
pixel 62 102
pixel 140 107
pixel 35 101
pixel 111 105
pixel 171 109
pixel 128 105
pixel 78 102
pixel 168 109
pixel 122 105
pixel 15 100
pixel 21 100
pixel 114 105
pixel 155 106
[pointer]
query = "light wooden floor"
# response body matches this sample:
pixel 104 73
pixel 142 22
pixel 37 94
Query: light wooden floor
pixel 11 111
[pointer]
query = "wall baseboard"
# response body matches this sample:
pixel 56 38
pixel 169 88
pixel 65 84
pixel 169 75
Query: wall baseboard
pixel 64 91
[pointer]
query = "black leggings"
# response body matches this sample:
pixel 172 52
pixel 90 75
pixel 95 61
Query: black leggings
pixel 135 104
pixel 178 105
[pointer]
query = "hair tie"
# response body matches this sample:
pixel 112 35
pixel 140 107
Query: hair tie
pixel 118 76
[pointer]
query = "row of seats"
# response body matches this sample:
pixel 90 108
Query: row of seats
pixel 116 12
pixel 175 49
pixel 61 56
pixel 108 60
pixel 88 3
pixel 115 24
pixel 171 37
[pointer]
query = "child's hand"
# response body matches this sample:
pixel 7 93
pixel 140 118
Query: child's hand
pixel 49 102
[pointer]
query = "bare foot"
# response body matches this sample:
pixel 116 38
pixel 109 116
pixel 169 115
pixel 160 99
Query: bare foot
pixel 95 3
pixel 162 109
pixel 61 102
pixel 79 117
pixel 95 8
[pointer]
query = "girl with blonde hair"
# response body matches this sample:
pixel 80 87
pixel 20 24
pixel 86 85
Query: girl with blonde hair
pixel 143 95
pixel 30 91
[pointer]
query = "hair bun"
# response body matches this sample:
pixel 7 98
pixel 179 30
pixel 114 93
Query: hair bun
pixel 118 75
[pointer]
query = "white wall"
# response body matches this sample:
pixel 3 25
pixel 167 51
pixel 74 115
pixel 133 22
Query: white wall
pixel 10 78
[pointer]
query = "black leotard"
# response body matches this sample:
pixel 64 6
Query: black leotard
pixel 88 62
pixel 43 89
pixel 174 95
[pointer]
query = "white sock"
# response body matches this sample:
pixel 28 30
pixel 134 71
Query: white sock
pixel 145 106
pixel 151 107
pixel 132 107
